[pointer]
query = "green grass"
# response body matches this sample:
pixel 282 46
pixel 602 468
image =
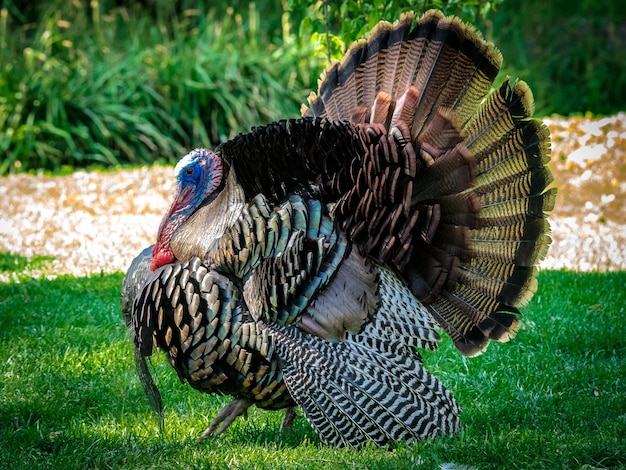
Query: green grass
pixel 12 262
pixel 555 397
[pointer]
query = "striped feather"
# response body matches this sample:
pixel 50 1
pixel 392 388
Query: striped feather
pixel 372 386
pixel 352 395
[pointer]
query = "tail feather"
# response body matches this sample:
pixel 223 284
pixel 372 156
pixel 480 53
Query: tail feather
pixel 376 49
pixel 506 248
pixel 512 233
pixel 456 71
pixel 443 60
pixel 505 291
pixel 414 50
pixel 441 134
pixel 460 314
pixel 509 152
pixel 371 386
pixel 352 394
pixel 510 204
pixel 512 284
pixel 500 114
pixel 395 56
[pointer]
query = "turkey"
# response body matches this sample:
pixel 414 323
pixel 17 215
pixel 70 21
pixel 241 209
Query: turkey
pixel 308 262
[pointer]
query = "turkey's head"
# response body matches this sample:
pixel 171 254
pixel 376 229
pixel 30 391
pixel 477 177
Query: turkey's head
pixel 199 179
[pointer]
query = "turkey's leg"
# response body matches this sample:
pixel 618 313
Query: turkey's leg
pixel 226 416
pixel 287 423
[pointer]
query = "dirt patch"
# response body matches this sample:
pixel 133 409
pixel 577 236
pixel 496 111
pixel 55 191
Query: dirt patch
pixel 97 222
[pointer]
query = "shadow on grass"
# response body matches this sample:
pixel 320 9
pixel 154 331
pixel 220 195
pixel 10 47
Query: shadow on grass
pixel 120 432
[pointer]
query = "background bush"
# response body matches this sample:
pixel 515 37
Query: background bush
pixel 573 53
pixel 117 82
pixel 94 83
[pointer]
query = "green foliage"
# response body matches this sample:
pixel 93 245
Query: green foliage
pixel 11 262
pixel 334 25
pixel 572 54
pixel 69 397
pixel 107 86
pixel 101 83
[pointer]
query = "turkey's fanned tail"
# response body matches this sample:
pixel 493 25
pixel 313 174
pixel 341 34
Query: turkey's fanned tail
pixel 451 186
pixel 426 64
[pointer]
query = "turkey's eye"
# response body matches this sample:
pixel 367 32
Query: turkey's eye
pixel 189 171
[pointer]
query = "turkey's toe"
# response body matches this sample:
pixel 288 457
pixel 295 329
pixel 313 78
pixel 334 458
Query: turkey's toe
pixel 226 416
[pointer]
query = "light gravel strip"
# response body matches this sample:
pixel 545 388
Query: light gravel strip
pixel 97 222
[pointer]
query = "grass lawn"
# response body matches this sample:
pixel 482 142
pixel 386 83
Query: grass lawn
pixel 555 397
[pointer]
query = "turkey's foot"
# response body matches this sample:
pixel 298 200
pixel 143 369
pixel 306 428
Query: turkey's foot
pixel 226 416
pixel 290 415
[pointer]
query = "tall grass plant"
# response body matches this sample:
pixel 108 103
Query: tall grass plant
pixel 90 85
pixel 112 82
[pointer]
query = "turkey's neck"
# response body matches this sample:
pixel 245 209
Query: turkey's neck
pixel 208 224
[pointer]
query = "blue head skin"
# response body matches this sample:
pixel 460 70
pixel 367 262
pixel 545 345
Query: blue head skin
pixel 198 175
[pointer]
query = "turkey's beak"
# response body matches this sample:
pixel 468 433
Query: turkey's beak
pixel 174 218
pixel 182 197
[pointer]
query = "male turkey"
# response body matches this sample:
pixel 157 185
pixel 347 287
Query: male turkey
pixel 306 262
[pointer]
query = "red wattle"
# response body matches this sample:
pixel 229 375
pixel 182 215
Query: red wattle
pixel 161 258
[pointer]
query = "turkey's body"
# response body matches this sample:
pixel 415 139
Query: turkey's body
pixel 305 263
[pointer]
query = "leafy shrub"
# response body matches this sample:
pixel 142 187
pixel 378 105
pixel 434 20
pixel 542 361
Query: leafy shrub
pixel 108 87
pixel 334 25
pixel 573 54
pixel 101 83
